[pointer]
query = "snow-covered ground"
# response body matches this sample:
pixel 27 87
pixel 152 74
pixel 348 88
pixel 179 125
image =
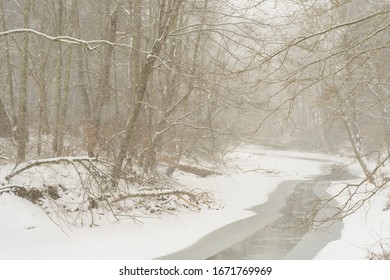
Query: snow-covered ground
pixel 365 231
pixel 252 173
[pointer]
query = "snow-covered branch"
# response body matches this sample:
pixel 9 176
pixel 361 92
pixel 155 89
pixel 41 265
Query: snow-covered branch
pixel 57 160
pixel 1 157
pixel 89 44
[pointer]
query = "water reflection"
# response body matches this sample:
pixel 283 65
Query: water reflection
pixel 277 238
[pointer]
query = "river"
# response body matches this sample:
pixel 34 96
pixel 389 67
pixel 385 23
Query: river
pixel 282 228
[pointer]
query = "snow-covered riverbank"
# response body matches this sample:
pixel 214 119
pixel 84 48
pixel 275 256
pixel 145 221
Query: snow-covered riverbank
pixel 251 175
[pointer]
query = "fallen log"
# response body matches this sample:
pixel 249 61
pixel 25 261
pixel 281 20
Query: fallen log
pixel 201 172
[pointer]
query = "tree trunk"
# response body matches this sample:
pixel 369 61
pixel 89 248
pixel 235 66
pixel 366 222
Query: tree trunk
pixel 357 149
pixel 167 19
pixel 42 103
pixel 85 101
pixel 5 123
pixel 10 79
pixel 63 112
pixel 156 138
pixel 42 79
pixel 66 89
pixel 57 104
pixel 103 89
pixel 22 129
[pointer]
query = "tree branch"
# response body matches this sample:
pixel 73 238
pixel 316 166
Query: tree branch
pixel 90 45
pixel 58 160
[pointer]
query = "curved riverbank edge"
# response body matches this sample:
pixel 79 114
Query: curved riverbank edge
pixel 235 232
pixel 234 240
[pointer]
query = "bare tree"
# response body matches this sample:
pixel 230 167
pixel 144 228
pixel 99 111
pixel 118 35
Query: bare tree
pixel 22 127
pixel 168 13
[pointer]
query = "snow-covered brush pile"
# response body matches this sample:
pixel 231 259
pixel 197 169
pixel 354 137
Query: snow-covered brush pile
pixel 75 191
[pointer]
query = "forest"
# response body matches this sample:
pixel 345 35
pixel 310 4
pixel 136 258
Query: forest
pixel 122 94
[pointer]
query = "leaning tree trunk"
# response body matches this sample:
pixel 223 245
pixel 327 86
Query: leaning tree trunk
pixel 162 125
pixel 167 19
pixel 350 116
pixel 356 145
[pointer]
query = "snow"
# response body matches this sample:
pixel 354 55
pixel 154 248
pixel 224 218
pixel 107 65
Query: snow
pixel 251 174
pixel 367 230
